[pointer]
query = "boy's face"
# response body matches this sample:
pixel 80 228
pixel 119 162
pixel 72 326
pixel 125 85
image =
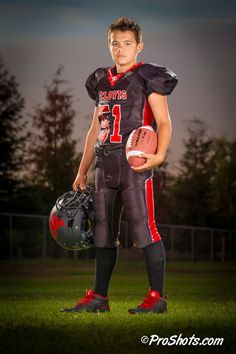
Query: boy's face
pixel 124 48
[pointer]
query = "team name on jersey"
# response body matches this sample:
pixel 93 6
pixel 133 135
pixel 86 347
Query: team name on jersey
pixel 112 95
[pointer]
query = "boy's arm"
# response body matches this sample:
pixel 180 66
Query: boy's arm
pixel 88 154
pixel 159 106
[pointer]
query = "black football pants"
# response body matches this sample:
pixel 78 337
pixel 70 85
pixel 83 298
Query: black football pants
pixel 117 186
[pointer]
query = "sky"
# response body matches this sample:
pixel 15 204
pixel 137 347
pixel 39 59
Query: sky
pixel 195 39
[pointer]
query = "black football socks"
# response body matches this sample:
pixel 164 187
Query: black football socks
pixel 105 261
pixel 155 260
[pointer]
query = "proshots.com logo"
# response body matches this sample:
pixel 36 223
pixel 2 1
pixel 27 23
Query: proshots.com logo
pixel 178 339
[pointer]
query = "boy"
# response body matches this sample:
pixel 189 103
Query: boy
pixel 126 96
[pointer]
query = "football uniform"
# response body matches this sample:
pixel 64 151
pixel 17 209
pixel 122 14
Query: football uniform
pixel 123 107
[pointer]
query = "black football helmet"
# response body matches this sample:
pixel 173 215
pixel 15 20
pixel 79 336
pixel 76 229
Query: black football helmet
pixel 72 219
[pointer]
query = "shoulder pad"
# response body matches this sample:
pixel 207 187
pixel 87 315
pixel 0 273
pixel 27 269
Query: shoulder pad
pixel 158 79
pixel 92 81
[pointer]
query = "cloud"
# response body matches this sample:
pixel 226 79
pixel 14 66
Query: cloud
pixel 197 43
pixel 61 17
pixel 17 21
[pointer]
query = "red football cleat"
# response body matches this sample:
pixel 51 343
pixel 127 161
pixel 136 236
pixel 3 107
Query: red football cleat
pixel 90 303
pixel 152 303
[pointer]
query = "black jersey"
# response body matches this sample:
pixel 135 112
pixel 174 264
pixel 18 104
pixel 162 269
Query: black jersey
pixel 122 99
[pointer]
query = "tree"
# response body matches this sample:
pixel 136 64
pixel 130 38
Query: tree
pixel 222 193
pixel 53 149
pixel 13 137
pixel 191 187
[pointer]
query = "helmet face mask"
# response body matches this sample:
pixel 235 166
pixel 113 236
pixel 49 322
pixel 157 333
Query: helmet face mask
pixel 71 220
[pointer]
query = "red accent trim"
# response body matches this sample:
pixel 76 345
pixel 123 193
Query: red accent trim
pixel 151 299
pixel 87 298
pixel 151 213
pixel 114 78
pixel 154 293
pixel 147 114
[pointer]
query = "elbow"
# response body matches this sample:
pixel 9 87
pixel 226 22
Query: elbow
pixel 165 125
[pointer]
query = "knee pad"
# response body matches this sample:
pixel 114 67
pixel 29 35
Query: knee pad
pixel 107 208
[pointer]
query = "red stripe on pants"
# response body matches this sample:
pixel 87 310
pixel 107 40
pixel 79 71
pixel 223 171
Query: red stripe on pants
pixel 151 213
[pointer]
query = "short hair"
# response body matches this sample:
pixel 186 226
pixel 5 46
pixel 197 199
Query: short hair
pixel 126 24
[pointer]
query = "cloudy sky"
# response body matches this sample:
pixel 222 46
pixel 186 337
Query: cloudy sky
pixel 196 39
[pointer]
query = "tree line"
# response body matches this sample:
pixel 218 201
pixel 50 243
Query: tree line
pixel 39 160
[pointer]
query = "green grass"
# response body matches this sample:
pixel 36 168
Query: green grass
pixel 201 302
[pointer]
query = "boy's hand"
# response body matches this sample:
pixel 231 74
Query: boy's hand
pixel 79 182
pixel 153 160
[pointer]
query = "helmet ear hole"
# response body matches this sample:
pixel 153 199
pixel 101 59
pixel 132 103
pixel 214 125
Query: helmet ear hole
pixel 70 223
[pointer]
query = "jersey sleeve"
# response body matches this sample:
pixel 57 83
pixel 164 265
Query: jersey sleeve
pixel 158 79
pixel 92 82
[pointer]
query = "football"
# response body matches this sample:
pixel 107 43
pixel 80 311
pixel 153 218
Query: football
pixel 141 140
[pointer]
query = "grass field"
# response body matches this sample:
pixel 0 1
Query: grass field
pixel 201 302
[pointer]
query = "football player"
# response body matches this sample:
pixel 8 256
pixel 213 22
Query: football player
pixel 128 95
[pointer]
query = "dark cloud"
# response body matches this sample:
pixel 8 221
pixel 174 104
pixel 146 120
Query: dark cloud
pixel 181 8
pixel 29 17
